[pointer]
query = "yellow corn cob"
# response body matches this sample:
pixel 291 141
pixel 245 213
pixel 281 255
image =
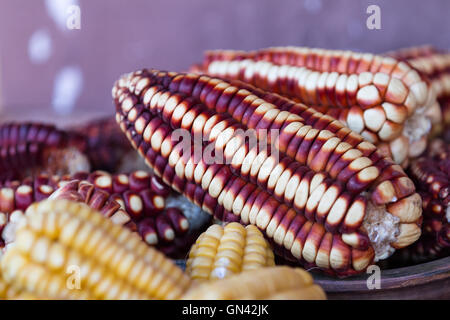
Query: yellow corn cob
pixel 278 283
pixel 6 291
pixel 222 251
pixel 10 292
pixel 66 250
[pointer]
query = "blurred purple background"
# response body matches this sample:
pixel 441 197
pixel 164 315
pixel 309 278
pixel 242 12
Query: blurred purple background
pixel 46 66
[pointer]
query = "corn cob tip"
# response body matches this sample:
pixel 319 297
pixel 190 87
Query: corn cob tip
pixel 269 283
pixel 65 161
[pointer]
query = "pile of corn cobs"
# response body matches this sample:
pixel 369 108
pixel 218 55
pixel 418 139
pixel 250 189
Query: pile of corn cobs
pixel 333 189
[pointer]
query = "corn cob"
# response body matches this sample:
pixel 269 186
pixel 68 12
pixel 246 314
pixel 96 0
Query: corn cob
pixel 31 148
pixel 435 66
pixel 431 63
pixel 430 172
pixel 223 251
pixel 384 100
pixel 136 200
pixel 431 175
pixel 6 291
pixel 326 203
pixel 270 283
pixel 59 234
pixel 11 292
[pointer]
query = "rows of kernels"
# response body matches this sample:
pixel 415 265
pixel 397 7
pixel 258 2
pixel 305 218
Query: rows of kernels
pixel 153 138
pixel 222 251
pixel 358 180
pixel 113 262
pixel 280 225
pixel 136 200
pixel 431 174
pixel 372 95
